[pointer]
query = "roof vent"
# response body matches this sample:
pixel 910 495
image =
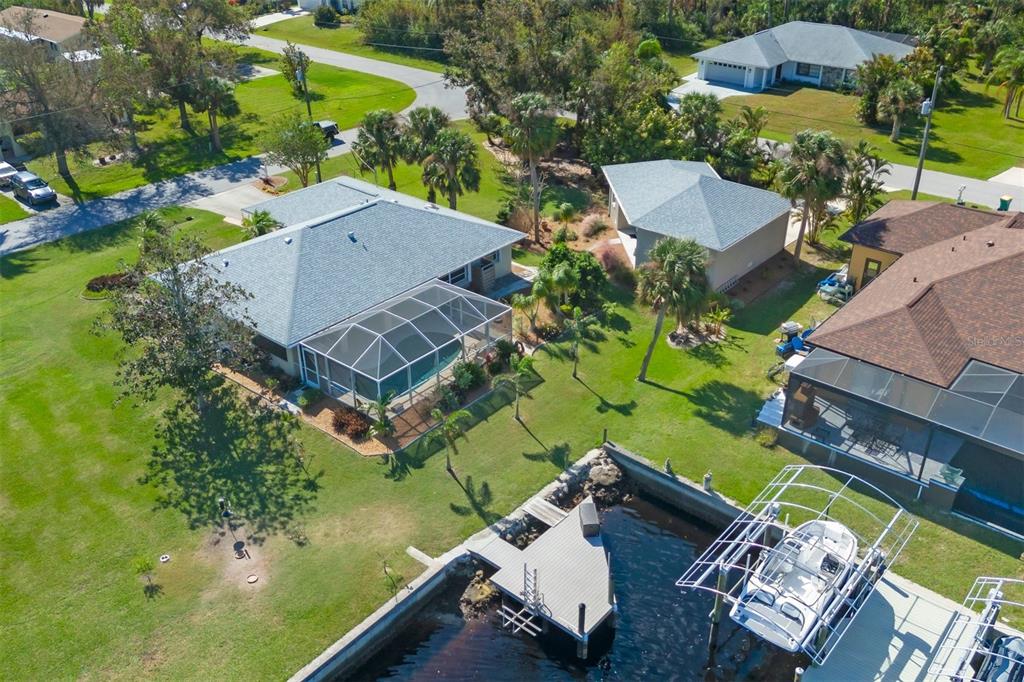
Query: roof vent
pixel 225 261
pixel 352 237
pixel 432 207
pixel 990 243
pixel 287 240
pixel 915 279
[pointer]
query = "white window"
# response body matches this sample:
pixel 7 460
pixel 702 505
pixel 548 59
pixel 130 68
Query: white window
pixel 458 276
pixel 810 70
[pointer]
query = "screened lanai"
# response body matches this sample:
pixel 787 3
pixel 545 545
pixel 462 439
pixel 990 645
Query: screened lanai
pixel 401 344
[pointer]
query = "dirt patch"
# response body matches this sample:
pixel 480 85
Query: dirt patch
pixel 271 185
pixel 234 559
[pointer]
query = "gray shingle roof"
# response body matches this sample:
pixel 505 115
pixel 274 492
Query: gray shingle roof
pixel 309 276
pixel 687 199
pixel 811 43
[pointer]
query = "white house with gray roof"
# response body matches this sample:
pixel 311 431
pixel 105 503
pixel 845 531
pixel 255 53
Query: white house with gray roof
pixel 740 226
pixel 800 51
pixel 372 294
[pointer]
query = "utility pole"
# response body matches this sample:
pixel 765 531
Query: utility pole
pixel 927 107
pixel 299 74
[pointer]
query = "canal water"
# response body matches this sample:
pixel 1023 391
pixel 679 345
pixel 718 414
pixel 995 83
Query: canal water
pixel 661 635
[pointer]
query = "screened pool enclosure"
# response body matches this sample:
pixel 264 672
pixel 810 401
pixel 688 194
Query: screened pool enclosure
pixel 403 343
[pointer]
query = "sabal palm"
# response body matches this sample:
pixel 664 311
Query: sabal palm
pixel 531 134
pixel 863 185
pixel 576 326
pixel 529 305
pixel 216 96
pixel 897 101
pixel 379 142
pixel 674 279
pixel 1008 74
pixel 419 135
pixel 259 223
pixel 450 428
pixel 518 380
pixel 452 168
pixel 546 291
pixel 813 173
pixel 754 118
pixel 565 280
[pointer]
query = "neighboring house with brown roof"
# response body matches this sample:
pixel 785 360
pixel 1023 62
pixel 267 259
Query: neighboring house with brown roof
pixel 919 380
pixel 62 34
pixel 902 226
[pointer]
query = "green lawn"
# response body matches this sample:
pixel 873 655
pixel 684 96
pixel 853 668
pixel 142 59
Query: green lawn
pixel 969 137
pixel 678 55
pixel 74 510
pixel 337 94
pixel 348 39
pixel 11 210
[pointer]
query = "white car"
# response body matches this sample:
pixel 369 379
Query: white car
pixel 7 171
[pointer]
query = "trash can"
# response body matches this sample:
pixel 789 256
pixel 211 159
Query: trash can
pixel 1004 202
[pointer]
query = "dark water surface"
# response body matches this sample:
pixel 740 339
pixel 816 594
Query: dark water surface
pixel 661 634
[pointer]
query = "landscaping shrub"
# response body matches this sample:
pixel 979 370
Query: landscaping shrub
pixel 766 436
pixel 349 422
pixel 409 23
pixel 468 375
pixel 563 235
pixel 505 349
pixel 594 225
pixel 309 397
pixel 448 398
pixel 592 278
pixel 325 16
pixel 617 268
pixel 548 331
pixel 271 383
pixel 117 280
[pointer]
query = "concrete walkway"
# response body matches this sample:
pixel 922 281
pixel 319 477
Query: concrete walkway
pixel 274 17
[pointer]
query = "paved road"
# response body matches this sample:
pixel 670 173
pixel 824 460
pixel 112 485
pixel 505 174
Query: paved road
pixel 982 192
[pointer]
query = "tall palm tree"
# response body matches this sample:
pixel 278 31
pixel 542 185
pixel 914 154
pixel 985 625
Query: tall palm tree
pixel 871 78
pixel 450 428
pixel 216 96
pixel 259 223
pixel 674 279
pixel 813 173
pixel 577 326
pixel 1008 73
pixel 529 305
pixel 419 136
pixel 518 379
pixel 531 134
pixel 863 184
pixel 379 143
pixel 452 168
pixel 546 291
pixel 754 118
pixel 897 101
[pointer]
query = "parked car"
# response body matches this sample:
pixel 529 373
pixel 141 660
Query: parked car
pixel 7 171
pixel 328 128
pixel 31 188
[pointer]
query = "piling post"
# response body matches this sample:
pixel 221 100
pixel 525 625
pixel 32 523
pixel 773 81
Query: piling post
pixel 716 614
pixel 798 674
pixel 611 593
pixel 581 645
pixel 604 435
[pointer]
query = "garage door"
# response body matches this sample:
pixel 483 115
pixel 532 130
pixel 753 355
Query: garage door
pixel 724 73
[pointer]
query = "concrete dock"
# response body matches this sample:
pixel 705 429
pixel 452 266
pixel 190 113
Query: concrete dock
pixel 554 575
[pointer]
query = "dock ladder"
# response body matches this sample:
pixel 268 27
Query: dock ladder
pixel 524 620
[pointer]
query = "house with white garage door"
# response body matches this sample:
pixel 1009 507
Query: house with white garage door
pixel 824 55
pixel 740 226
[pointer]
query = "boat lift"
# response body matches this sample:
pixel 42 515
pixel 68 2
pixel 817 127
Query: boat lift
pixel 967 639
pixel 800 493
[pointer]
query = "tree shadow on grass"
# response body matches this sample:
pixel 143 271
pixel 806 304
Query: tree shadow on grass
pixel 603 406
pixel 725 406
pixel 152 590
pixel 774 308
pixel 19 263
pixel 558 454
pixel 478 501
pixel 237 449
pixel 714 353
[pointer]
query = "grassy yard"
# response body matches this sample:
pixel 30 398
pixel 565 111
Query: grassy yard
pixel 338 94
pixel 969 136
pixel 11 210
pixel 347 38
pixel 678 54
pixel 75 510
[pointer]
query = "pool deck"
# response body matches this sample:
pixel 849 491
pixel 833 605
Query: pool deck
pixel 571 569
pixel 896 636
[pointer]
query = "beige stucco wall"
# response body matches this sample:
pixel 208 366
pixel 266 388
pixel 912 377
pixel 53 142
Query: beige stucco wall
pixel 618 218
pixel 860 254
pixel 504 264
pixel 748 253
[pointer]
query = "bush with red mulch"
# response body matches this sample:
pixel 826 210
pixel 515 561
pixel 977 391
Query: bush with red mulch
pixel 117 280
pixel 349 422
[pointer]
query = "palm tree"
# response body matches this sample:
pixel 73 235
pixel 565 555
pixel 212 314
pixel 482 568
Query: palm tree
pixel 871 78
pixel 716 319
pixel 452 168
pixel 379 142
pixel 674 279
pixel 529 305
pixel 382 426
pixel 813 173
pixel 153 235
pixel 531 134
pixel 565 280
pixel 449 429
pixel 577 326
pixel 259 223
pixel 863 183
pixel 754 118
pixel 419 137
pixel 1008 73
pixel 216 96
pixel 546 291
pixel 518 379
pixel 564 213
pixel 897 101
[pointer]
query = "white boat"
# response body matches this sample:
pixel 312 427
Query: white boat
pixel 794 583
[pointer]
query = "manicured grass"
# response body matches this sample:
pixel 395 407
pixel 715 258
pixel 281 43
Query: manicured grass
pixel 347 38
pixel 969 137
pixel 338 94
pixel 11 210
pixel 678 54
pixel 75 510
